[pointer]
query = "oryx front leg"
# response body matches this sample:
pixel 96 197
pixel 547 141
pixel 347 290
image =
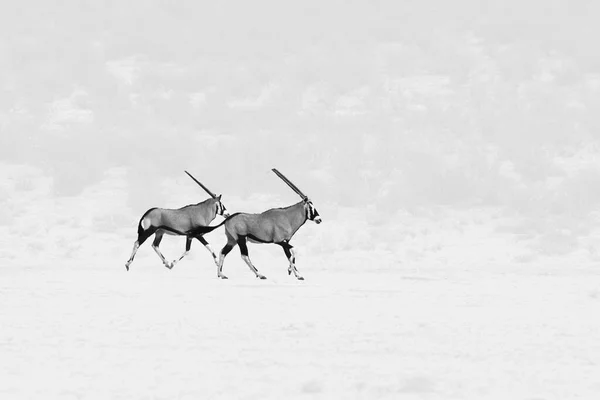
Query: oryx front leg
pixel 188 245
pixel 291 256
pixel 157 239
pixel 205 243
pixel 244 251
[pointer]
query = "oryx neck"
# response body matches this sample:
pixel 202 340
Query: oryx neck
pixel 206 209
pixel 297 215
pixel 206 202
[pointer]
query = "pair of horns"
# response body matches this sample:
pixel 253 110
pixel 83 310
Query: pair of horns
pixel 214 196
pixel 279 174
pixel 290 184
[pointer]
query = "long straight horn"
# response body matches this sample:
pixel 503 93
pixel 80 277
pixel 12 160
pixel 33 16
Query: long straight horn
pixel 203 187
pixel 289 183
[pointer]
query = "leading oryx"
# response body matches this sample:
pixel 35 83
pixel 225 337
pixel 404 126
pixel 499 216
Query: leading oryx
pixel 276 225
pixel 189 221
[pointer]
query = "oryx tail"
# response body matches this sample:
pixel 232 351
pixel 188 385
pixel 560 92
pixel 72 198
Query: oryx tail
pixel 203 230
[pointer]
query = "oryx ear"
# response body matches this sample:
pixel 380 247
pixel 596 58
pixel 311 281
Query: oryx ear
pixel 219 197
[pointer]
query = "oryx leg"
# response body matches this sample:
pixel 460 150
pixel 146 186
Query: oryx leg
pixel 142 236
pixel 224 251
pixel 157 238
pixel 188 245
pixel 244 250
pixel 291 256
pixel 205 243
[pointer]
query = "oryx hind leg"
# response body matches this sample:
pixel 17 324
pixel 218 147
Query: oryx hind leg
pixel 156 243
pixel 136 246
pixel 291 256
pixel 142 236
pixel 224 251
pixel 188 246
pixel 244 250
pixel 205 243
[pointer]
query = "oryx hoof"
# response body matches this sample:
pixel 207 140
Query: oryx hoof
pixel 127 267
pixel 169 265
pixel 222 277
pixel 300 278
pixel 289 271
pixel 261 276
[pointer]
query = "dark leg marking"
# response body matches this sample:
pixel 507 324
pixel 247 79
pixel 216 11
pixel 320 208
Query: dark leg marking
pixel 244 251
pixel 157 238
pixel 242 244
pixel 205 243
pixel 188 246
pixel 288 249
pixel 224 251
pixel 142 237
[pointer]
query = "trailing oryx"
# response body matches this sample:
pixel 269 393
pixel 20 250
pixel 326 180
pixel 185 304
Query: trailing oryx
pixel 276 225
pixel 190 221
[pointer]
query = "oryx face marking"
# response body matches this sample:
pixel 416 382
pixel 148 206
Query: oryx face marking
pixel 221 210
pixel 311 212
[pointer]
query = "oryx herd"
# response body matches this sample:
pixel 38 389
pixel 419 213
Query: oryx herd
pixel 276 225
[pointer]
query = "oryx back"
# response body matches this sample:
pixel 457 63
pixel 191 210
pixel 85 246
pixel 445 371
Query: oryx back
pixel 272 226
pixel 179 221
pixel 253 227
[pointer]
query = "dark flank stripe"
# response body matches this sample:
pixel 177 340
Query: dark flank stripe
pixel 167 228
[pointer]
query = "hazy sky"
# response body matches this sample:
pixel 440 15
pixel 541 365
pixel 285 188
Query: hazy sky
pixel 378 106
pixel 452 148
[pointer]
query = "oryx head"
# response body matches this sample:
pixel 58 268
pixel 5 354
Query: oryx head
pixel 220 207
pixel 311 212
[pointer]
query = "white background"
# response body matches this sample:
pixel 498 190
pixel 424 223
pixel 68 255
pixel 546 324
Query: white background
pixel 451 149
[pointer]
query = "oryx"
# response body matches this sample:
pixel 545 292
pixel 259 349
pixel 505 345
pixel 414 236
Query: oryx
pixel 276 225
pixel 189 221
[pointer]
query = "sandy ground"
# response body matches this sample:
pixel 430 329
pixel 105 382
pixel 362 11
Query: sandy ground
pixel 352 330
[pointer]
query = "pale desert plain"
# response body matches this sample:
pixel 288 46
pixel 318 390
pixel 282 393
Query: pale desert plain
pixel 452 150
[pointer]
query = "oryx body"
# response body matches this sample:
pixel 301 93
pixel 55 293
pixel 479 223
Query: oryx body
pixel 190 221
pixel 277 225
